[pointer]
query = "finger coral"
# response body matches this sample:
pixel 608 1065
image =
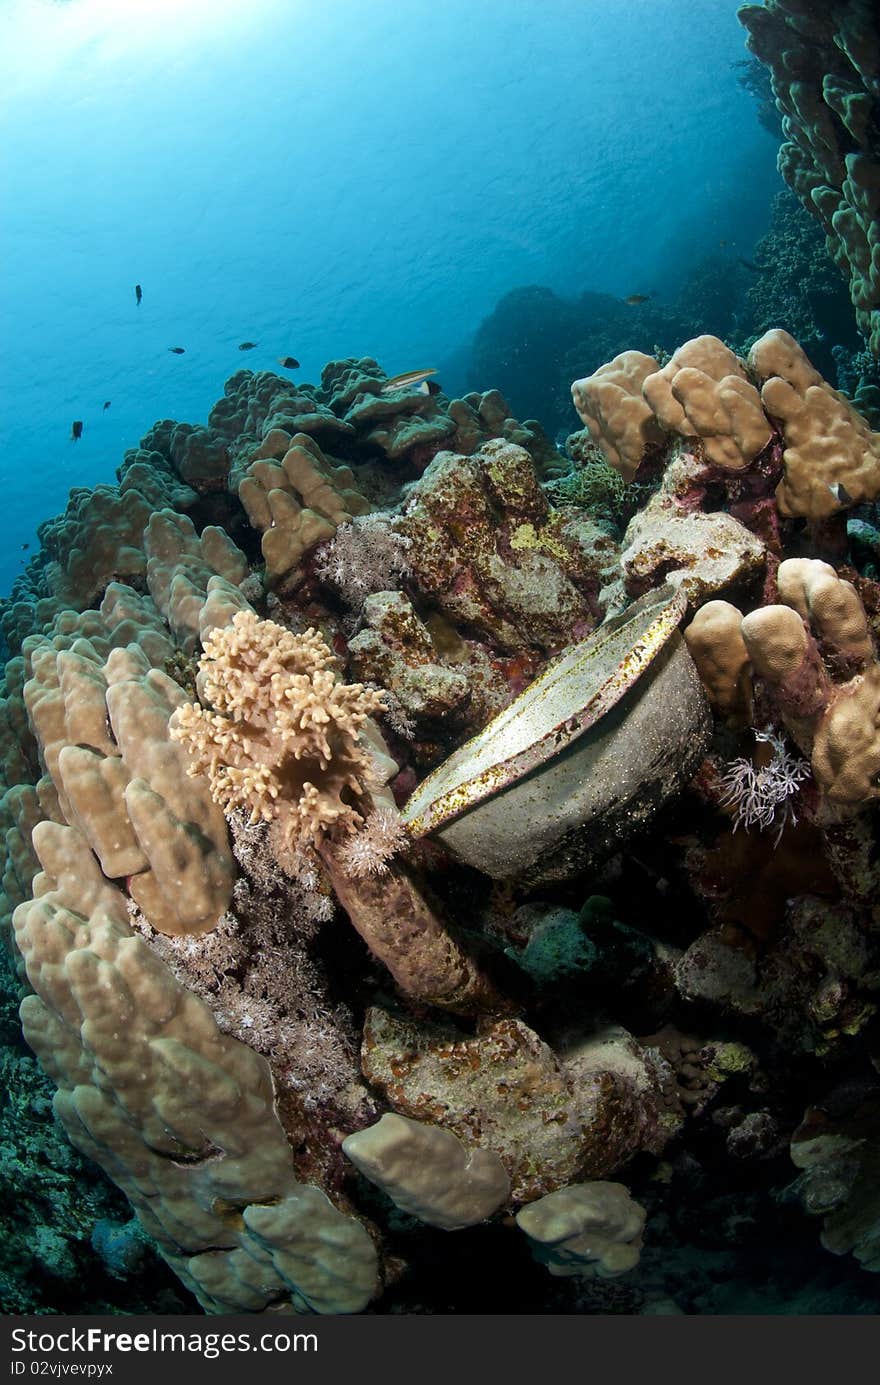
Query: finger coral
pixel 182 1116
pixel 823 64
pixel 703 392
pixel 830 453
pixel 429 1171
pixel 296 502
pixel 824 689
pixel 281 739
pixel 619 419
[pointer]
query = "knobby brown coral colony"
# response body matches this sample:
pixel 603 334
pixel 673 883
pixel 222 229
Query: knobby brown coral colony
pixel 303 1030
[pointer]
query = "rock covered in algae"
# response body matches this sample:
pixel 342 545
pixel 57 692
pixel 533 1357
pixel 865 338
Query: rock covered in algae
pixel 838 1151
pixel 394 649
pixel 507 1091
pixel 497 559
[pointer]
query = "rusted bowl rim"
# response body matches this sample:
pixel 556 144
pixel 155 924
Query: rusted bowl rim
pixel 670 604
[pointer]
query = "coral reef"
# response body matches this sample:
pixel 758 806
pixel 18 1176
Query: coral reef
pixel 830 455
pixel 66 1227
pixel 824 71
pixel 795 282
pixel 180 1115
pixel 535 342
pixel 324 936
pixel 297 502
pixel 836 1147
pixel 548 1119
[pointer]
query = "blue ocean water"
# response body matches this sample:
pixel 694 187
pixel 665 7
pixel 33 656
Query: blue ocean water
pixel 332 180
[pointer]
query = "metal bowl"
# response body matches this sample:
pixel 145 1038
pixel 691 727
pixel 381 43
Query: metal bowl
pixel 584 757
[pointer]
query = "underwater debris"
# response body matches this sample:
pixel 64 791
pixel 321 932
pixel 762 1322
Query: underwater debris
pixel 580 759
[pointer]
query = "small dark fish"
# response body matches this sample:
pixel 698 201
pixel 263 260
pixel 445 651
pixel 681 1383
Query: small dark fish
pixel 840 493
pixel 410 379
pixel 750 264
pixel 76 431
pixel 247 345
pixel 24 546
pixel 177 350
pixel 106 406
pixel 288 362
pixel 634 299
pixel 138 294
pixel 431 387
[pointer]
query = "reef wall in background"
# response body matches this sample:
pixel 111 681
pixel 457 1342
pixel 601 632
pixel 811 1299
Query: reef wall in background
pixel 825 67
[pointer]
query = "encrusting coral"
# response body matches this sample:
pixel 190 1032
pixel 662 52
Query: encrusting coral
pixel 592 1228
pixel 498 560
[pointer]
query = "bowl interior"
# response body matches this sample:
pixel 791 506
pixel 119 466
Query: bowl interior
pixel 574 690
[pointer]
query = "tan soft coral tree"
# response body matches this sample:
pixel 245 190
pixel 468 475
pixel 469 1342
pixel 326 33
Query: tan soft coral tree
pixel 283 738
pixel 292 746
